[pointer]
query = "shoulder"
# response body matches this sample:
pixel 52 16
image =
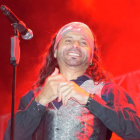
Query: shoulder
pixel 112 87
pixel 112 91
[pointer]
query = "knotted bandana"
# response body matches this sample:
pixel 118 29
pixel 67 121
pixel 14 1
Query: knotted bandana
pixel 76 27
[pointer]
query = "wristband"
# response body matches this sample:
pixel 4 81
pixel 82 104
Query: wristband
pixel 90 98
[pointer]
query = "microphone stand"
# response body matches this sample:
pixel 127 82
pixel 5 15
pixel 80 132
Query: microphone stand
pixel 27 34
pixel 14 61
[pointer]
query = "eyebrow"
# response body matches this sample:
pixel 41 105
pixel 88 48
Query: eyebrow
pixel 83 38
pixel 68 37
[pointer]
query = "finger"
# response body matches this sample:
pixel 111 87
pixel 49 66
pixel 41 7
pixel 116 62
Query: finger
pixel 67 97
pixel 58 77
pixel 52 86
pixel 56 72
pixel 52 83
pixel 61 88
pixel 64 94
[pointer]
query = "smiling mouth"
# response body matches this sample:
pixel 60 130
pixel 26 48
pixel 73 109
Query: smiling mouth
pixel 73 54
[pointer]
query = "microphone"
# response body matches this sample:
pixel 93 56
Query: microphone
pixel 25 32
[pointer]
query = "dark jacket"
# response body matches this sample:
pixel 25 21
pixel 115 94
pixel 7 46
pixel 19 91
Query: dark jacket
pixel 114 112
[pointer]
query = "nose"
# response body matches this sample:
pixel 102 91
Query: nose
pixel 76 44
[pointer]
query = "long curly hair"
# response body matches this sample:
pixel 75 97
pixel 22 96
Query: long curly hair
pixel 95 70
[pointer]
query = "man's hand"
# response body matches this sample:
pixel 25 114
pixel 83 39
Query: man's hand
pixel 49 90
pixel 68 90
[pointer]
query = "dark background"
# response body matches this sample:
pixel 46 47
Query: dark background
pixel 116 24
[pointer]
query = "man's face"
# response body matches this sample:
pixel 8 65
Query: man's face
pixel 73 50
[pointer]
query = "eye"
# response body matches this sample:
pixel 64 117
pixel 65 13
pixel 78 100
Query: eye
pixel 83 43
pixel 68 40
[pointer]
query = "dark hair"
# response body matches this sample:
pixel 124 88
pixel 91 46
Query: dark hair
pixel 95 70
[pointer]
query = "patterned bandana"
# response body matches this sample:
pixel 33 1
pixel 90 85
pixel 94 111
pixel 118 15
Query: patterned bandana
pixel 75 27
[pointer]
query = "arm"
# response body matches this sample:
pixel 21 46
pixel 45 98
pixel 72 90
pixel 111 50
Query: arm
pixel 117 111
pixel 30 113
pixel 26 119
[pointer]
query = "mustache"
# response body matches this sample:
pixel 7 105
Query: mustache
pixel 74 50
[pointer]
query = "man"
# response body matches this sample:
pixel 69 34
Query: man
pixel 74 98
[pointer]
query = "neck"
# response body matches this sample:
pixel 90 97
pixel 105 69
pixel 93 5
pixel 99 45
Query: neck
pixel 72 73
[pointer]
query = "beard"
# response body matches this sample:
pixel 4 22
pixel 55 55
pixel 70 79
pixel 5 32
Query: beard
pixel 73 61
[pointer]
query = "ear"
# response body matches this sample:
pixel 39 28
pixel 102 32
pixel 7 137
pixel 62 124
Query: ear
pixel 55 53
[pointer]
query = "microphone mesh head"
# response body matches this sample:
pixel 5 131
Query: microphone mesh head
pixel 28 35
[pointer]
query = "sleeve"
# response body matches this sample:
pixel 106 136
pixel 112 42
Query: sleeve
pixel 27 118
pixel 117 111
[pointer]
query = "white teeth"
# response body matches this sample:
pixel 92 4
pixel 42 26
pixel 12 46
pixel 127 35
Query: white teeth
pixel 74 54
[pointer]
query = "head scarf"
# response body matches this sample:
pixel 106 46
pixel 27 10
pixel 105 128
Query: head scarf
pixel 75 27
